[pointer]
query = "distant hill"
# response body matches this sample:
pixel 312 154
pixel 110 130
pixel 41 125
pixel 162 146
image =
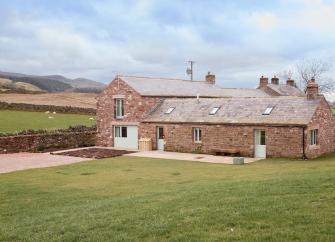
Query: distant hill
pixel 55 83
pixel 9 86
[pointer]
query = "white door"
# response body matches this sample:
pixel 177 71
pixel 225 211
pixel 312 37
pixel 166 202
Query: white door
pixel 126 137
pixel 260 145
pixel 160 138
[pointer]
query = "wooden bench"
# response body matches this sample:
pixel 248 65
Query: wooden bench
pixel 228 151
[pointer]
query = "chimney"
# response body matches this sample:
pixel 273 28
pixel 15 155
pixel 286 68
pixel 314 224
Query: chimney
pixel 275 80
pixel 312 90
pixel 290 82
pixel 263 82
pixel 210 78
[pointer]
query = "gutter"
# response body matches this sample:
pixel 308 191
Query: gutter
pixel 303 144
pixel 227 124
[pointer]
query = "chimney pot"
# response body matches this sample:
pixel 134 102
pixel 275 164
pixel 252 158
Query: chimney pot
pixel 263 81
pixel 312 90
pixel 275 80
pixel 210 78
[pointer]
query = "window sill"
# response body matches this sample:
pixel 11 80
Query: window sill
pixel 314 147
pixel 197 142
pixel 120 117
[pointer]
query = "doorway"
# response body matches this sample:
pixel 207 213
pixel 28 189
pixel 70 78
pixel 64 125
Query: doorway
pixel 260 144
pixel 160 138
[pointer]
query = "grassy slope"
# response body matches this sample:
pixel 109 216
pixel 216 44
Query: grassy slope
pixel 12 121
pixel 145 199
pixel 84 100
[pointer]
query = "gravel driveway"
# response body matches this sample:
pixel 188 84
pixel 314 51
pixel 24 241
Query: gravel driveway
pixel 24 161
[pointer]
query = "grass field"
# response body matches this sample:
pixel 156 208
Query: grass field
pixel 74 99
pixel 141 199
pixel 14 121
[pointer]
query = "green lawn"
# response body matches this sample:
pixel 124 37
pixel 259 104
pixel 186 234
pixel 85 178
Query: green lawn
pixel 141 199
pixel 14 121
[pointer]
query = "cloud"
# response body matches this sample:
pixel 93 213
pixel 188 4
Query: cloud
pixel 238 41
pixel 317 15
pixel 143 7
pixel 263 20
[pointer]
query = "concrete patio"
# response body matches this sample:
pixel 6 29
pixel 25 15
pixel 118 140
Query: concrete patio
pixel 24 161
pixel 174 155
pixel 189 157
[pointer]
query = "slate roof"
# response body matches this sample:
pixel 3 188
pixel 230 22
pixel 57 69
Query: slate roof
pixel 286 111
pixel 243 92
pixel 286 90
pixel 167 87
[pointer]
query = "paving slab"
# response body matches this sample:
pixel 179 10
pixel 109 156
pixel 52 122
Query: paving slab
pixel 189 157
pixel 24 161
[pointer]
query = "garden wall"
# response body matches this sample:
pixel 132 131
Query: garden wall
pixel 47 141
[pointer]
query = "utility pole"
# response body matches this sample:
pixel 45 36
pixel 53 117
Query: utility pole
pixel 189 70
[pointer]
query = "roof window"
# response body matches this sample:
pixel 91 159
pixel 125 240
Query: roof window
pixel 214 110
pixel 170 110
pixel 268 110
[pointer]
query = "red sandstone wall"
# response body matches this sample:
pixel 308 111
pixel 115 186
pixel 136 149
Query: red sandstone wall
pixel 323 120
pixel 135 107
pixel 281 141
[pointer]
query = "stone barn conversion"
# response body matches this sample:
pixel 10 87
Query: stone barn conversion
pixel 274 120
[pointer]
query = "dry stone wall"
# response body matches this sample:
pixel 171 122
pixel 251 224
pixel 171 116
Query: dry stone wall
pixel 39 142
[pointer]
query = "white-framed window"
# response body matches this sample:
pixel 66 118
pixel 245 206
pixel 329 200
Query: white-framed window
pixel 119 107
pixel 117 131
pixel 314 137
pixel 120 132
pixel 268 110
pixel 169 110
pixel 214 110
pixel 197 135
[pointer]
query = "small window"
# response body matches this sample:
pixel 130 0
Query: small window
pixel 314 137
pixel 170 110
pixel 119 108
pixel 262 141
pixel 268 111
pixel 214 110
pixel 160 133
pixel 124 132
pixel 117 131
pixel 197 135
pixel 120 132
pixel 260 137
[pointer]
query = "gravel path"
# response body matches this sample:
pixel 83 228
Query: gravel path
pixel 24 161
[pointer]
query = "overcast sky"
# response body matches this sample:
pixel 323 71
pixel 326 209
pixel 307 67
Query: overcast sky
pixel 237 40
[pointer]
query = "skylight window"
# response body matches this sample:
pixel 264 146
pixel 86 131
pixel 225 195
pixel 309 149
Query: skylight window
pixel 214 110
pixel 170 110
pixel 268 110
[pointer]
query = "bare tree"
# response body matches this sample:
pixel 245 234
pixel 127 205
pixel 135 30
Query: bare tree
pixel 308 69
pixel 286 74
